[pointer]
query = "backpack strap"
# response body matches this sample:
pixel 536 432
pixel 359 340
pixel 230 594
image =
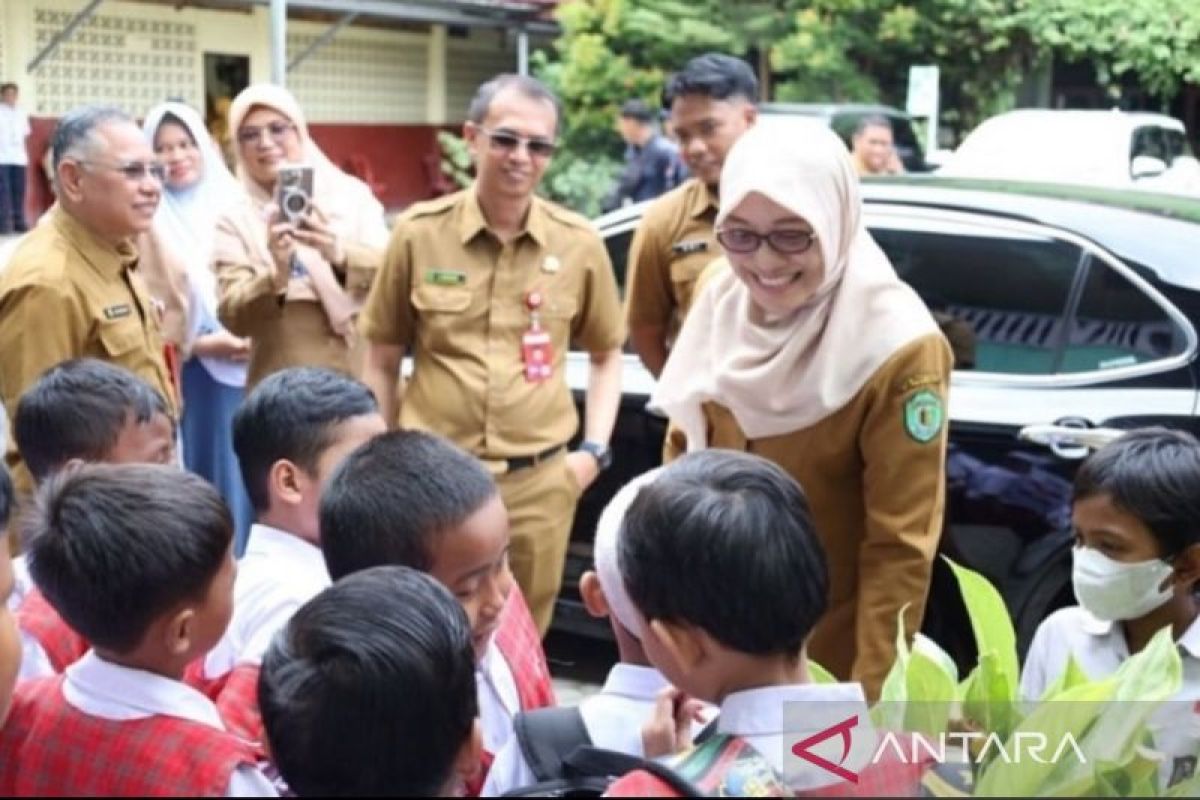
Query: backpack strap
pixel 547 736
pixel 591 762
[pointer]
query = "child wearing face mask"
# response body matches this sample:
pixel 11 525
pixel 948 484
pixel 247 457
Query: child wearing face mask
pixel 1136 515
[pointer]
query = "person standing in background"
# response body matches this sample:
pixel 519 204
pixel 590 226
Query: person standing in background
pixel 875 148
pixel 712 102
pixel 14 130
pixel 652 162
pixel 197 187
pixel 72 288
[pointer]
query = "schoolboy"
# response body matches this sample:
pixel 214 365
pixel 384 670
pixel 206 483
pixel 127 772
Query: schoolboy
pixel 370 690
pixel 613 718
pixel 138 559
pixel 83 410
pixel 721 560
pixel 289 435
pixel 414 499
pixel 1136 514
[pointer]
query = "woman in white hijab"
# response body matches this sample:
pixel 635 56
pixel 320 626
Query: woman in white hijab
pixel 295 289
pixel 807 349
pixel 197 186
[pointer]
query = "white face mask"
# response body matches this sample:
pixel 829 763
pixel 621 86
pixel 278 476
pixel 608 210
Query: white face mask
pixel 1112 590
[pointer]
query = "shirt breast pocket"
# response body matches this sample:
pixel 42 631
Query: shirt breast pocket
pixel 685 271
pixel 120 338
pixel 443 312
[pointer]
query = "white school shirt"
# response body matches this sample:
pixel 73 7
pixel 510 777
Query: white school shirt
pixel 499 700
pixel 108 691
pixel 757 715
pixel 14 130
pixel 1099 648
pixel 34 661
pixel 278 573
pixel 613 718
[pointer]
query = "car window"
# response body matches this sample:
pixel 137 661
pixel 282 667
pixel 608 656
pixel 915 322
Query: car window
pixel 1117 325
pixel 1176 144
pixel 999 297
pixel 1149 141
pixel 618 253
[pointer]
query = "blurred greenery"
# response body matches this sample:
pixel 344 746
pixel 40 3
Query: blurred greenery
pixel 843 51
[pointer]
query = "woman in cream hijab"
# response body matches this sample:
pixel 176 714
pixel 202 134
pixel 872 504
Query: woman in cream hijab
pixel 294 289
pixel 807 349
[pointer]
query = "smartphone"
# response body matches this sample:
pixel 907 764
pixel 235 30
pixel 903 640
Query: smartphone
pixel 294 191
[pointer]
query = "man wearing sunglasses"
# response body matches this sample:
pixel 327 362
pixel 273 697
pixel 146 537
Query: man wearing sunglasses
pixel 71 288
pixel 712 103
pixel 488 289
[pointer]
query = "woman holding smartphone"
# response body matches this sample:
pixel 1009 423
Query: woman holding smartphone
pixel 293 282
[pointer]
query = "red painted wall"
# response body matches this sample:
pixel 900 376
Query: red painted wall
pixel 401 160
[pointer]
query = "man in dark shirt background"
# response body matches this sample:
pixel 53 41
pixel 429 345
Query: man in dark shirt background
pixel 652 162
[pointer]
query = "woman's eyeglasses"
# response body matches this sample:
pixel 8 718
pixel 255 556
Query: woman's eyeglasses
pixel 744 241
pixel 507 142
pixel 135 170
pixel 278 131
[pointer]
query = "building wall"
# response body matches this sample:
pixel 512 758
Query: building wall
pixel 374 97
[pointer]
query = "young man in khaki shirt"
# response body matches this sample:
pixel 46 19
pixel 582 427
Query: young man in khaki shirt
pixel 712 103
pixel 71 288
pixel 487 289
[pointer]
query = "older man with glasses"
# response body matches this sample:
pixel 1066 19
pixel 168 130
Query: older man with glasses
pixel 488 289
pixel 71 288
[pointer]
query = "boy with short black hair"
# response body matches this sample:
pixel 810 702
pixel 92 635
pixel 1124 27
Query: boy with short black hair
pixel 138 559
pixel 370 690
pixel 290 434
pixel 83 410
pixel 611 719
pixel 720 557
pixel 88 410
pixel 413 499
pixel 1136 515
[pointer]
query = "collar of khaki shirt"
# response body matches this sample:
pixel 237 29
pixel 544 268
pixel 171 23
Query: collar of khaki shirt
pixel 104 257
pixel 703 199
pixel 471 220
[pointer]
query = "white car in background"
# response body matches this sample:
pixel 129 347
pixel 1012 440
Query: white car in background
pixel 1099 148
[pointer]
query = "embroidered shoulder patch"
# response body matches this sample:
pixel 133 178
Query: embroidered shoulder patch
pixel 924 415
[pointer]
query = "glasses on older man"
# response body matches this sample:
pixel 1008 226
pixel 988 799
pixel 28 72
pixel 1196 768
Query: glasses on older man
pixel 278 132
pixel 134 170
pixel 744 241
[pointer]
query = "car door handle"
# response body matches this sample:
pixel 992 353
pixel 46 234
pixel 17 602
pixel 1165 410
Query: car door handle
pixel 1069 442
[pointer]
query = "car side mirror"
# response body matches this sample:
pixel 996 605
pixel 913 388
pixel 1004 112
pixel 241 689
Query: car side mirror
pixel 1147 167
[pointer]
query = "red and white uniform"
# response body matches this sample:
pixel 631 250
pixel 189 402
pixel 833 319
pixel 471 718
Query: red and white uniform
pixel 102 729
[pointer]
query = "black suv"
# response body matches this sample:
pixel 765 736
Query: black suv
pixel 1079 307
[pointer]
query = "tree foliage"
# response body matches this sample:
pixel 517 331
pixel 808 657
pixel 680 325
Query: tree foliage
pixel 841 51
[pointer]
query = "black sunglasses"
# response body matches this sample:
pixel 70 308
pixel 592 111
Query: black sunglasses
pixel 503 140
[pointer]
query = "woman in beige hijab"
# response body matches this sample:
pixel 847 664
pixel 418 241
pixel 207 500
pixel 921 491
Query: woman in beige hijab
pixel 807 349
pixel 295 289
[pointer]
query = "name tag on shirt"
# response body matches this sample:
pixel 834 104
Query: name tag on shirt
pixel 446 277
pixel 118 311
pixel 687 248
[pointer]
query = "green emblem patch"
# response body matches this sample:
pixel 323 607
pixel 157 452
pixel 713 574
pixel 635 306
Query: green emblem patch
pixel 445 277
pixel 924 416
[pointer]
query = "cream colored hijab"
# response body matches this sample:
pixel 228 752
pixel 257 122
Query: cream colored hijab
pixel 779 375
pixel 334 192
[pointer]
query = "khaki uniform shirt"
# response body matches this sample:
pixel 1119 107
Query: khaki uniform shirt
pixel 672 246
pixel 68 294
pixel 455 296
pixel 874 473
